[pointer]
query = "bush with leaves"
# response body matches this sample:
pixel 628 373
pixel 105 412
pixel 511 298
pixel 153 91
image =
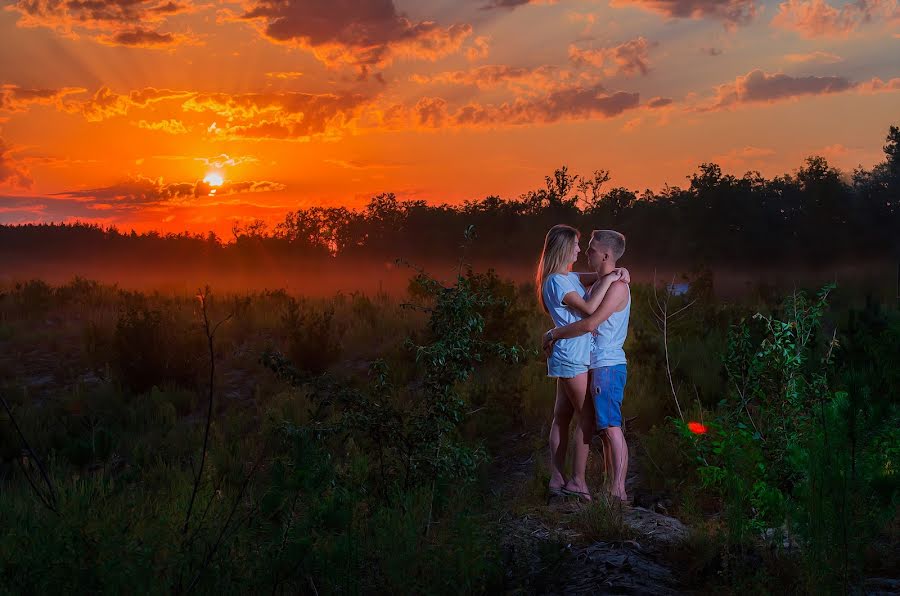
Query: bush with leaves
pixel 792 450
pixel 392 458
pixel 312 336
pixel 150 349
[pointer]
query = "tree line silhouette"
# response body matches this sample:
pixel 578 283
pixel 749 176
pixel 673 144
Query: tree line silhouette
pixel 817 215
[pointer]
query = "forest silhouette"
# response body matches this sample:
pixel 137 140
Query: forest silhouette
pixel 813 217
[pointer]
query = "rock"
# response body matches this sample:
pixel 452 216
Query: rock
pixel 660 528
pixel 613 568
pixel 881 586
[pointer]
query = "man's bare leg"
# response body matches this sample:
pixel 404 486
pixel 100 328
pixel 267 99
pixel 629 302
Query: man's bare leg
pixel 619 452
pixel 608 469
pixel 559 437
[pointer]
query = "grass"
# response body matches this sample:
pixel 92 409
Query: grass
pixel 122 457
pixel 602 520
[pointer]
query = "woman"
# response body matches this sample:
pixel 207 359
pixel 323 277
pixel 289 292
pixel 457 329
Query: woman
pixel 561 294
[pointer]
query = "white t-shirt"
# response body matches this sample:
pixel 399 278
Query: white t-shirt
pixel 576 350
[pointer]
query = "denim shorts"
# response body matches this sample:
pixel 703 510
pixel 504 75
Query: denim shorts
pixel 607 385
pixel 557 367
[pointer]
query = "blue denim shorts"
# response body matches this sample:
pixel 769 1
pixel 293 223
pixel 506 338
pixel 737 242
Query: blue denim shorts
pixel 564 369
pixel 607 385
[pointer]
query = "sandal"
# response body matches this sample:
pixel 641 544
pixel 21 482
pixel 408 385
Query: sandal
pixel 582 496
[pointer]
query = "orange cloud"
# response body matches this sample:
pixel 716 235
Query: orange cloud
pixel 171 126
pixel 817 56
pixel 479 49
pixel 732 12
pixel 221 161
pixel 354 32
pixel 816 18
pixel 745 157
pixel 112 22
pixel 284 115
pixel 106 103
pixel 629 58
pixel 876 85
pixel 517 78
pixel 285 76
pixel 16 99
pixel 12 172
pixel 835 150
pixel 293 116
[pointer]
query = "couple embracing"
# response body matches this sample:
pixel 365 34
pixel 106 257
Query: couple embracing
pixel 585 354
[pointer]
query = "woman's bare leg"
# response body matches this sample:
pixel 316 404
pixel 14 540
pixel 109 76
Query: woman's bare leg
pixel 575 389
pixel 559 436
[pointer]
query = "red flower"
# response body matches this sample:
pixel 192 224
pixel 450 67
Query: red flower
pixel 697 428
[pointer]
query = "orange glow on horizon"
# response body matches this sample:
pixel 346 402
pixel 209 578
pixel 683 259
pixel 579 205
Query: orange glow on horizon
pixel 415 98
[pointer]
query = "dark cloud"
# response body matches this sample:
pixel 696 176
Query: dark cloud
pixel 143 38
pixel 732 12
pixel 628 58
pixel 518 78
pixel 575 103
pixel 356 32
pixel 114 22
pixel 141 191
pixel 19 209
pixel 760 87
pixel 506 4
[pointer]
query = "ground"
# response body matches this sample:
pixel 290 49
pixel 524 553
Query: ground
pixel 558 547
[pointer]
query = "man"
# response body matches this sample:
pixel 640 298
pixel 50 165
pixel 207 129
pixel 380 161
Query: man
pixel 608 373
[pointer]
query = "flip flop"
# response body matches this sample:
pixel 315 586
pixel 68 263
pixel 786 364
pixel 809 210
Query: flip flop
pixel 554 491
pixel 586 497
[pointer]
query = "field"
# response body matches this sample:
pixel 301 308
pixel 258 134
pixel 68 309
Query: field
pixel 375 442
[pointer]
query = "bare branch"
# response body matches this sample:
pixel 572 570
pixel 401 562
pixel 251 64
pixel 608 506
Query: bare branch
pixel 49 500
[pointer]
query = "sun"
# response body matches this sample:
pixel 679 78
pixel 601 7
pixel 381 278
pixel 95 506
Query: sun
pixel 214 179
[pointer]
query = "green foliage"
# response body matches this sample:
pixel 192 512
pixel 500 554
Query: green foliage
pixel 403 461
pixel 312 337
pixel 795 450
pixel 151 347
pixel 602 519
pixel 33 297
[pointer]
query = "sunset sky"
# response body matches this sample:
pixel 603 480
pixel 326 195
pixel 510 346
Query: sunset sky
pixel 115 111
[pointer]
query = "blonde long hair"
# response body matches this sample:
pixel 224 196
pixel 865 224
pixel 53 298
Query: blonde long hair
pixel 558 246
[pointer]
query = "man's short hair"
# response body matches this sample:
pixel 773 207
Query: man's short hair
pixel 611 240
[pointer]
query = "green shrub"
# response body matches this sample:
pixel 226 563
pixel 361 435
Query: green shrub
pixel 151 347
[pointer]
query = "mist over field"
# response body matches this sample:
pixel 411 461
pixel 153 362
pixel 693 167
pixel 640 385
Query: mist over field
pixel 328 277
